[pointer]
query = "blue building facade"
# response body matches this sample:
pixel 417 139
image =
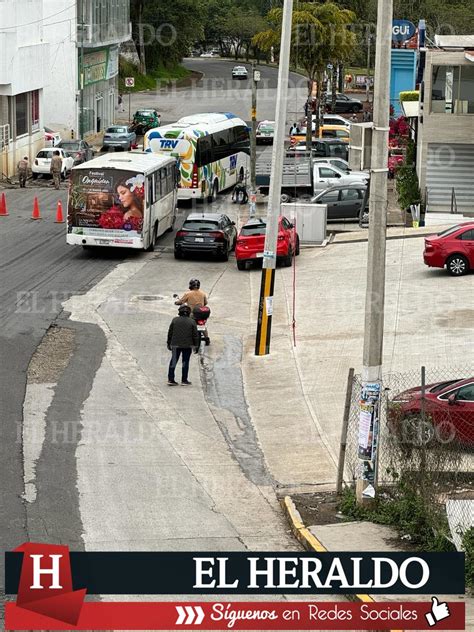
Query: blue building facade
pixel 403 75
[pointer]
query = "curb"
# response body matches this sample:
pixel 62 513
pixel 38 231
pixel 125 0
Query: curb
pixel 311 542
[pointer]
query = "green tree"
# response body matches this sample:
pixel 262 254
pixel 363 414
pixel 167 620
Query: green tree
pixel 320 36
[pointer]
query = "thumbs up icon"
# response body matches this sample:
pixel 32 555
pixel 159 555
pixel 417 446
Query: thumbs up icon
pixel 439 611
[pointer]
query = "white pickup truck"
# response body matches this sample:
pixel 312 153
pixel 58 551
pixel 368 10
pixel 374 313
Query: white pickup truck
pixel 327 175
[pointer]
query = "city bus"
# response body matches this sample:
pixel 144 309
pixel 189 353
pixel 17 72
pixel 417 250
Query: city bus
pixel 212 150
pixel 122 199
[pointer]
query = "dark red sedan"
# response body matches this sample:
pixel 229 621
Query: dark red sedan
pixel 453 248
pixel 448 407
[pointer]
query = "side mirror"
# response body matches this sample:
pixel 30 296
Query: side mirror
pixel 338 175
pixel 452 399
pixel 233 223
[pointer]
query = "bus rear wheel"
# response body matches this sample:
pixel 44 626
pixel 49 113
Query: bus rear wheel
pixel 215 190
pixel 154 237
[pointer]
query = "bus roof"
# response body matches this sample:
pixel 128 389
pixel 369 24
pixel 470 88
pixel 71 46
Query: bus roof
pixel 136 161
pixel 192 125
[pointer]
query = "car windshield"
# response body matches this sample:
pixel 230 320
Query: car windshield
pixel 145 113
pixel 449 231
pixel 254 229
pixel 45 154
pixel 266 128
pixel 70 146
pixel 116 130
pixel 197 224
pixel 439 387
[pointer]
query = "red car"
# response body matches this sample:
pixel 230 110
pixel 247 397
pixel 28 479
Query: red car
pixel 453 248
pixel 251 242
pixel 449 410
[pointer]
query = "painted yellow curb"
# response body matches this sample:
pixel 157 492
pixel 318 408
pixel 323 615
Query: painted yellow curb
pixel 311 542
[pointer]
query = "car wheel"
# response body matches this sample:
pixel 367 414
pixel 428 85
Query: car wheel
pixel 288 260
pixel 241 265
pixel 285 198
pixel 34 176
pixel 355 109
pixel 225 255
pixel 297 250
pixel 457 265
pixel 234 243
pixel 178 254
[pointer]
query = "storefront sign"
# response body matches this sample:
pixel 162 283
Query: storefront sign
pixel 101 65
pixel 402 30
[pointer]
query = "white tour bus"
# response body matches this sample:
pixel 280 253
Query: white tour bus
pixel 122 199
pixel 212 151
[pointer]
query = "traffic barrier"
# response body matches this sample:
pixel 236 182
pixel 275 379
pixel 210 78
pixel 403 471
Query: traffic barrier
pixel 36 210
pixel 59 214
pixel 3 206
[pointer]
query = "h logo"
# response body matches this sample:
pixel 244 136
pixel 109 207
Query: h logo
pixel 53 571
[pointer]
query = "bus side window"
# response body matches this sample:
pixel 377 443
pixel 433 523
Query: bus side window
pixel 170 179
pixel 164 181
pixel 156 177
pixel 222 144
pixel 151 190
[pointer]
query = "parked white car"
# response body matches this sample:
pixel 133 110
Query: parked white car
pixel 210 54
pixel 325 176
pixel 42 163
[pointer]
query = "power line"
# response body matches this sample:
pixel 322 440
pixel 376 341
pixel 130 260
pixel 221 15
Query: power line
pixel 53 15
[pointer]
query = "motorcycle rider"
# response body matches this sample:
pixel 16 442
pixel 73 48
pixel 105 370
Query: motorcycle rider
pixel 195 297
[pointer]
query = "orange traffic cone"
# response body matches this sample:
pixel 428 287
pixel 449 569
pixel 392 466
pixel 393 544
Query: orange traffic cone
pixel 3 206
pixel 59 214
pixel 36 211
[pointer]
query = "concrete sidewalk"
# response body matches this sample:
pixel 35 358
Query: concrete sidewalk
pixel 360 537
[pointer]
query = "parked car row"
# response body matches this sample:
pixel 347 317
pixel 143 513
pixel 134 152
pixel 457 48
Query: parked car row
pixel 216 234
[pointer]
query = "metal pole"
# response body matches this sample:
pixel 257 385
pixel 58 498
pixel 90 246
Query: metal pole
pixel 367 88
pixel 130 105
pixel 253 144
pixel 345 424
pixel 265 308
pixel 81 101
pixel 375 292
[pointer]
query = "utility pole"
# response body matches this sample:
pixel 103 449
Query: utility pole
pixel 265 307
pixel 367 87
pixel 375 292
pixel 253 142
pixel 81 98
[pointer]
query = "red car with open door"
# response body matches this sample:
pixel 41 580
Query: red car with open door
pixel 251 242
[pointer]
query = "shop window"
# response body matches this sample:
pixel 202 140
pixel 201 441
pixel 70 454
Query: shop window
pixel 35 113
pixel 452 90
pixel 21 118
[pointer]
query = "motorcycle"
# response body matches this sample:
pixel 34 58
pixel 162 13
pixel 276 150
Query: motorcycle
pixel 200 314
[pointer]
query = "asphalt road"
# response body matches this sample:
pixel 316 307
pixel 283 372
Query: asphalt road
pixel 39 270
pixel 216 91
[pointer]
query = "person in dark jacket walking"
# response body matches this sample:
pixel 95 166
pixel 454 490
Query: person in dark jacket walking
pixel 183 337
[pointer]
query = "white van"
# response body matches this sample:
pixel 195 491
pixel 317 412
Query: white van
pixel 124 200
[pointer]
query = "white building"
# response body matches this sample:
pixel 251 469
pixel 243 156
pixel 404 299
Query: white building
pixel 24 70
pixel 85 35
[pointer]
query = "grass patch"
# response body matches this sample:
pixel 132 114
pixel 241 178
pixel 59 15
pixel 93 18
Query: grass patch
pixel 156 78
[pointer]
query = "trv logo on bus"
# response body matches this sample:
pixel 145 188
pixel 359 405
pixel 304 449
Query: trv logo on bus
pixel 176 146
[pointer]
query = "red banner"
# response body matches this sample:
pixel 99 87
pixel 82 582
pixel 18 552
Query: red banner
pixel 248 616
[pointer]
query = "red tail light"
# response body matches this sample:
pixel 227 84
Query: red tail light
pixel 181 233
pixel 201 322
pixel 218 234
pixel 194 181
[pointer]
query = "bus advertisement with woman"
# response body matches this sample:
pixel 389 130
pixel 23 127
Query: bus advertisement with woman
pixel 122 202
pixel 212 150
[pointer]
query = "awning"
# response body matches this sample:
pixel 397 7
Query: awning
pixel 411 109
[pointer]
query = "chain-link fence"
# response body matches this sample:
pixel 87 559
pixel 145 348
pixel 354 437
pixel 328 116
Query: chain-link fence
pixel 426 438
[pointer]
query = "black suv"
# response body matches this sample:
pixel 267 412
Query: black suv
pixel 344 104
pixel 212 233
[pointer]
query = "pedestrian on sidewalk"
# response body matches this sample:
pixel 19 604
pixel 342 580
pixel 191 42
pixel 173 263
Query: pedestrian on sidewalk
pixel 56 168
pixel 183 337
pixel 23 171
pixel 120 103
